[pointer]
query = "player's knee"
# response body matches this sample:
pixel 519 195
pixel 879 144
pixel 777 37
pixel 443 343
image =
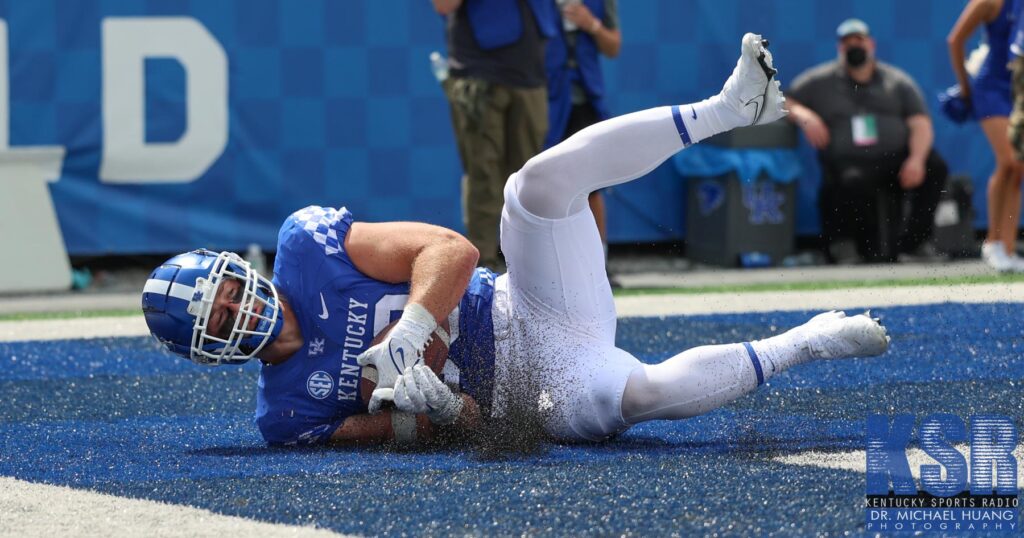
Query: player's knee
pixel 532 173
pixel 546 171
pixel 640 394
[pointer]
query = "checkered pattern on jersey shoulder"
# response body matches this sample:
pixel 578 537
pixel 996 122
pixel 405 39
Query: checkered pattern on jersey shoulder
pixel 326 225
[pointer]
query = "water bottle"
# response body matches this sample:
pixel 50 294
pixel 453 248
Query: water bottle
pixel 254 255
pixel 439 65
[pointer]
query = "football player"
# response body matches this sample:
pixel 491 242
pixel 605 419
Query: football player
pixel 338 282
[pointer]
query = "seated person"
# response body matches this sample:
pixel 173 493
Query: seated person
pixel 874 139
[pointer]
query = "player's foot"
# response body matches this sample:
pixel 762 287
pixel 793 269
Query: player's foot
pixel 832 335
pixel 752 91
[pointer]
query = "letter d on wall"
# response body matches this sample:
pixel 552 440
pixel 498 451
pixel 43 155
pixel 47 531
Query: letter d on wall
pixel 127 42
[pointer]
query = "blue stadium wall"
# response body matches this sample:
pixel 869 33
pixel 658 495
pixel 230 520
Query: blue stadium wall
pixel 332 102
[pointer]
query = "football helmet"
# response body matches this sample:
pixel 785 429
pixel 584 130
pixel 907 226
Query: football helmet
pixel 178 299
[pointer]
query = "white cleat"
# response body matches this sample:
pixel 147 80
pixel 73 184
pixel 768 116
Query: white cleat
pixel 832 335
pixel 752 90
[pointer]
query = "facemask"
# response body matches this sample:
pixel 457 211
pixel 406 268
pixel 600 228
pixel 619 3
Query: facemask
pixel 856 56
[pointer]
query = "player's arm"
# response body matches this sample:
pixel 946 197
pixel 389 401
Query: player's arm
pixel 436 261
pixel 404 428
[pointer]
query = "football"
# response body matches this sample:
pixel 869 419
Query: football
pixel 434 356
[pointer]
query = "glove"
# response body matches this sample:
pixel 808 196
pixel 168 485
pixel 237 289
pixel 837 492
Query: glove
pixel 401 348
pixel 419 390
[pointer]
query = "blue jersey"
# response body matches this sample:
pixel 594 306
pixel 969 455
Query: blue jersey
pixel 304 399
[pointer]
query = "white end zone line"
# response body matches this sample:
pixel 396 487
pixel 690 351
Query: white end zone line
pixel 65 329
pixel 838 299
pixel 629 306
pixel 44 510
pixel 856 460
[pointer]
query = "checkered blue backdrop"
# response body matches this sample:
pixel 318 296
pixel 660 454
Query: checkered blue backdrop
pixel 333 102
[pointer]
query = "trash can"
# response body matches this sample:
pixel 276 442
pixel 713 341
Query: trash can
pixel 741 196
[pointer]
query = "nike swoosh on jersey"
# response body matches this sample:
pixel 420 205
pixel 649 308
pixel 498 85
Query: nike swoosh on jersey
pixel 694 110
pixel 325 314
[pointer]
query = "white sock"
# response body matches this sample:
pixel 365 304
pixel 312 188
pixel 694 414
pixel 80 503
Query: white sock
pixel 701 379
pixel 708 118
pixel 691 383
pixel 780 352
pixel 556 183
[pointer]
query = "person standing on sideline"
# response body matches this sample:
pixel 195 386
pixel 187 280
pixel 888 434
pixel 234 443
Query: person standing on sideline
pixel 498 96
pixel 991 101
pixel 590 28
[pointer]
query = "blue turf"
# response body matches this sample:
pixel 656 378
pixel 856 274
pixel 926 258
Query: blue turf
pixel 119 416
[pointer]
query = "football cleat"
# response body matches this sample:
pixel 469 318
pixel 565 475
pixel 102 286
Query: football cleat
pixel 752 90
pixel 832 335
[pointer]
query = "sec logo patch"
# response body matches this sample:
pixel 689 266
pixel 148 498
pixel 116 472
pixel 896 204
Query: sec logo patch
pixel 320 384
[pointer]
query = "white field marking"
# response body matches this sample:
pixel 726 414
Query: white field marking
pixel 838 299
pixel 856 460
pixel 631 306
pixel 63 329
pixel 43 510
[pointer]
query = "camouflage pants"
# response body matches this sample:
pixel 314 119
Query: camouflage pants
pixel 1016 130
pixel 498 128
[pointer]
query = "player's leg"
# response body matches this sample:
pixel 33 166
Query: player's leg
pixel 556 183
pixel 705 378
pixel 555 255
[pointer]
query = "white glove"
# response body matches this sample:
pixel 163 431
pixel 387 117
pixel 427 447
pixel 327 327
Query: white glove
pixel 401 348
pixel 419 390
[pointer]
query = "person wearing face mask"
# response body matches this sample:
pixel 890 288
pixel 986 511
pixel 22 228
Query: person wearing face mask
pixel 870 125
